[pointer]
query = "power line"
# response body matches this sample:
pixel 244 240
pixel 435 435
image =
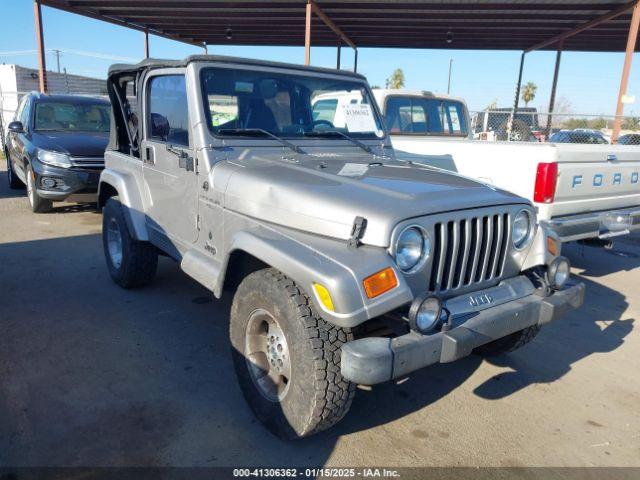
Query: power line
pixel 17 53
pixel 103 56
pixel 82 53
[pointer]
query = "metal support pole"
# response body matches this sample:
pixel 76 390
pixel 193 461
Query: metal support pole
pixel 626 68
pixel 307 35
pixel 517 99
pixel 519 85
pixel 552 100
pixel 146 43
pixel 355 61
pixel 42 63
pixel 338 60
pixel 449 82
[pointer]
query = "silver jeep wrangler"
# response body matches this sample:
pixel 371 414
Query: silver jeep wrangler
pixel 347 266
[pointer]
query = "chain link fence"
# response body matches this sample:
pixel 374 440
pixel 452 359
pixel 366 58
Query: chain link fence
pixel 529 125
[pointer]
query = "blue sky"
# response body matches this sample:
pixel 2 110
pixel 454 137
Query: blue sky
pixel 588 82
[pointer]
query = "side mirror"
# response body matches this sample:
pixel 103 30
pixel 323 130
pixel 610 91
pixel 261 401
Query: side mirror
pixel 16 127
pixel 160 126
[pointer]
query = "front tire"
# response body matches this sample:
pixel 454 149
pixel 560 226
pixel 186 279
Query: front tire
pixel 131 263
pixel 509 343
pixel 287 358
pixel 36 202
pixel 14 182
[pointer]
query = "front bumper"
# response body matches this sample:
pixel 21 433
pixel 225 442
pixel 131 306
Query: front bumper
pixel 595 224
pixel 75 183
pixel 369 361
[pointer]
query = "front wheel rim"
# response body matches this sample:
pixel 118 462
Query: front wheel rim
pixel 114 243
pixel 267 355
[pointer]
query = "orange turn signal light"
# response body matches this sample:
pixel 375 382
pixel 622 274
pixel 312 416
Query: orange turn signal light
pixel 552 246
pixel 380 282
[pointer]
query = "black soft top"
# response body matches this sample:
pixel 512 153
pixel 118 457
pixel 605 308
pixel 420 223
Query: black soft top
pixel 153 63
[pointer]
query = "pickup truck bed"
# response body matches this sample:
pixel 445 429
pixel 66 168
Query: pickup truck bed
pixel 588 186
pixel 582 191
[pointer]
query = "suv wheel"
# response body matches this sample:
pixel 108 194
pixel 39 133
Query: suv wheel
pixel 37 203
pixel 509 343
pixel 131 263
pixel 287 359
pixel 14 182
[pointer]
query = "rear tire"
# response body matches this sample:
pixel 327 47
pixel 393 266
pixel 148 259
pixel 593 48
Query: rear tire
pixel 36 202
pixel 509 343
pixel 287 359
pixel 14 182
pixel 131 263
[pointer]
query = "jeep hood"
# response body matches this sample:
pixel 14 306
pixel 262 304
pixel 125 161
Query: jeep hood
pixel 325 195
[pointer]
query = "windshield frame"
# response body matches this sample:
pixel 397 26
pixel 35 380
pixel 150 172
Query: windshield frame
pixel 464 118
pixel 88 102
pixel 361 82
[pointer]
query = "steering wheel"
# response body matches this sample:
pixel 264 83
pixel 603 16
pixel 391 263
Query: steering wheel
pixel 315 123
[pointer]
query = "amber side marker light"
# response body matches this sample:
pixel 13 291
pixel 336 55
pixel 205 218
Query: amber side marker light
pixel 552 246
pixel 380 282
pixel 324 296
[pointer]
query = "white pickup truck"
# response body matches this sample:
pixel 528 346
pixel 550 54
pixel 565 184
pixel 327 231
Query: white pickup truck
pixel 580 191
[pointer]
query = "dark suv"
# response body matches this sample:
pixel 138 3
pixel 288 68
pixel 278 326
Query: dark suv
pixel 55 146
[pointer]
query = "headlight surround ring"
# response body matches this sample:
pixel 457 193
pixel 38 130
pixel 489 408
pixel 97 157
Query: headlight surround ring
pixel 522 237
pixel 412 248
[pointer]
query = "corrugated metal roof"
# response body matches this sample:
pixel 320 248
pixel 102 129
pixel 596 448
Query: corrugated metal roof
pixel 480 24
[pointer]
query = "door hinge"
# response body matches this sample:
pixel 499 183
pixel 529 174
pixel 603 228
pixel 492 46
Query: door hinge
pixel 198 221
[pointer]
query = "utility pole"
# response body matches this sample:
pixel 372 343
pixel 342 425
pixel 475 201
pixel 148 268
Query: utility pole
pixel 42 61
pixel 449 82
pixel 57 52
pixel 626 68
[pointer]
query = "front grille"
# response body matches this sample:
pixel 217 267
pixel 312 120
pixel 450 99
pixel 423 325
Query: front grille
pixel 88 162
pixel 469 251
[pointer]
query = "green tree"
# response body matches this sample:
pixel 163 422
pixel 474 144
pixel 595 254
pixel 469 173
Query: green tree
pixel 529 93
pixel 396 80
pixel 630 123
pixel 572 123
pixel 598 123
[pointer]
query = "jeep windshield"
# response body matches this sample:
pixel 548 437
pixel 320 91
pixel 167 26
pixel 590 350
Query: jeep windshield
pixel 244 102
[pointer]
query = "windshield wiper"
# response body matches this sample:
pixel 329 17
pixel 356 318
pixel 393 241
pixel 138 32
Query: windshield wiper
pixel 327 133
pixel 235 131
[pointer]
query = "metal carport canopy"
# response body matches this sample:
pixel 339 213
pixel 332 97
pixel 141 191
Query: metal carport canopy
pixel 476 25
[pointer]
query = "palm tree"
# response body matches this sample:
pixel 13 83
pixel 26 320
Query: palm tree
pixel 396 80
pixel 529 93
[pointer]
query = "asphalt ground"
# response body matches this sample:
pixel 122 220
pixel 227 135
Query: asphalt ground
pixel 93 375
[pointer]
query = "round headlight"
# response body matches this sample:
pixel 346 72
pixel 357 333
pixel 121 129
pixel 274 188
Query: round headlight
pixel 425 313
pixel 412 248
pixel 521 229
pixel 559 272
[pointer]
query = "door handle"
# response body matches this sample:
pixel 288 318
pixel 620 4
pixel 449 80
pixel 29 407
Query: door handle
pixel 184 160
pixel 148 156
